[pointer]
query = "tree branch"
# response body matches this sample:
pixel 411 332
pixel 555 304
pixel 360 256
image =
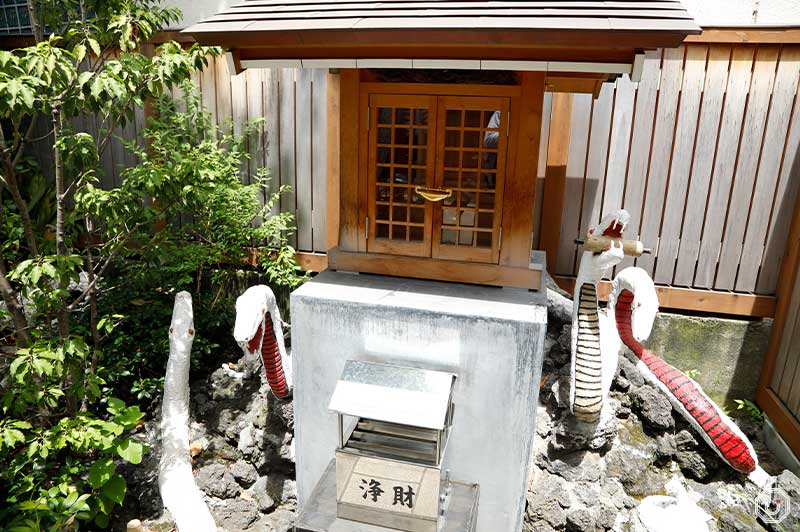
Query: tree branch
pixel 14 308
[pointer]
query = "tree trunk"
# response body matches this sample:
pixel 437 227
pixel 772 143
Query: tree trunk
pixel 14 308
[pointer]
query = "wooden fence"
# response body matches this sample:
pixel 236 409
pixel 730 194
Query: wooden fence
pixel 703 153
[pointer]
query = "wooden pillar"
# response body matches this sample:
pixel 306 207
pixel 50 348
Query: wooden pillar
pixel 332 170
pixel 555 177
pixel 348 159
pixel 520 193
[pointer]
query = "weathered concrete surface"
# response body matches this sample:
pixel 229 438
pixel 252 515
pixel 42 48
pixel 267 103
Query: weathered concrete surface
pixel 726 353
pixel 492 338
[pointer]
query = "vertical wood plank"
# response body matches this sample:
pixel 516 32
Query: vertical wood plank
pixel 725 159
pixel 208 92
pixel 333 100
pixel 555 176
pixel 303 158
pixel 660 155
pixel 620 144
pixel 287 143
pixel 318 159
pixel 745 176
pixel 255 110
pixel 573 192
pixel 702 166
pixel 547 107
pixel 636 177
pixel 239 113
pixel 777 128
pixel 222 90
pixel 682 154
pixel 786 381
pixel 596 160
pixel 271 106
pixel 349 192
pixel 785 198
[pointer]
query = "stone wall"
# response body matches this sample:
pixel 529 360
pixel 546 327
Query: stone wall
pixel 726 354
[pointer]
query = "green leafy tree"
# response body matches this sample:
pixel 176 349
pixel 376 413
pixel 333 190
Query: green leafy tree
pixel 61 429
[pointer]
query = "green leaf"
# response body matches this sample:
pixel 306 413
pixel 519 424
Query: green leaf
pixel 130 451
pixel 101 472
pixel 115 406
pixel 94 45
pixel 114 489
pixel 80 52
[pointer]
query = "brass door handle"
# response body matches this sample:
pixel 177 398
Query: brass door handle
pixel 434 194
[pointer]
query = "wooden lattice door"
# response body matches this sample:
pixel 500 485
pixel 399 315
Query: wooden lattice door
pixel 436 170
pixel 471 159
pixel 401 158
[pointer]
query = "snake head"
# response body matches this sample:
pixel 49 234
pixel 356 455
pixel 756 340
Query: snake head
pixel 612 225
pixel 251 308
pixel 181 329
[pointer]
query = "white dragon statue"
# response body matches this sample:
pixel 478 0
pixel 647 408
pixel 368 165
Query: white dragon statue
pixel 597 338
pixel 180 494
pixel 259 329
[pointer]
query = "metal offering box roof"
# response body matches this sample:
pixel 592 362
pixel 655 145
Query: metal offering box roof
pixel 394 394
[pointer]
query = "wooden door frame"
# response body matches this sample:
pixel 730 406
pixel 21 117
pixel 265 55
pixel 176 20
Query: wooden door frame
pixel 785 422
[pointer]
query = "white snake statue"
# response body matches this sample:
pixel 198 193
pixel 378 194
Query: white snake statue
pixel 180 494
pixel 259 329
pixel 596 342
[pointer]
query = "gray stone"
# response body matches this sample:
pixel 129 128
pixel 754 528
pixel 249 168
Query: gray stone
pixel 580 520
pixel 244 473
pixel 604 517
pixel 224 386
pixel 234 514
pixel 653 408
pixel 549 512
pixel 261 495
pixel 574 435
pixel 631 455
pixel 575 466
pixel 281 520
pixel 215 480
pixel 629 371
pixel 666 448
pixel 695 460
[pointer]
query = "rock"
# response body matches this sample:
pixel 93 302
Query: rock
pixel 790 484
pixel 604 517
pixel 629 371
pixel 261 495
pixel 215 480
pixel 649 482
pixel 575 466
pixel 653 408
pixel 285 410
pixel 631 454
pixel 547 487
pixel 224 385
pixel 574 435
pixel 580 521
pixel 244 473
pixel 281 520
pixel 666 448
pixel 234 514
pixel 696 460
pixel 550 512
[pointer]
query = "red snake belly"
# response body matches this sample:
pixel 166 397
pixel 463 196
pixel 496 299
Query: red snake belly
pixel 270 356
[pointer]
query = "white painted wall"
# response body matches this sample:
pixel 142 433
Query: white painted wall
pixel 708 13
pixel 197 10
pixel 717 13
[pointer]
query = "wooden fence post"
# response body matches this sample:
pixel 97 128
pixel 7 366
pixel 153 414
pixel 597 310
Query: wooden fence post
pixel 555 177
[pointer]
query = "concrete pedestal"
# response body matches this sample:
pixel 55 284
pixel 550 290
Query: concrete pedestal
pixel 492 338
